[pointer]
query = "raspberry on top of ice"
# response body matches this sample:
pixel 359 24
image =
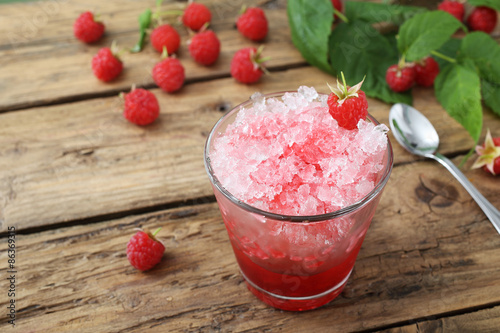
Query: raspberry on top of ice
pixel 289 156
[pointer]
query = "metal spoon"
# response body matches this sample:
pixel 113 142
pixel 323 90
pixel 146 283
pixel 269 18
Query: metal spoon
pixel 416 134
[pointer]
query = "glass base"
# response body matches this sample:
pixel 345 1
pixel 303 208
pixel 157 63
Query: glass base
pixel 296 303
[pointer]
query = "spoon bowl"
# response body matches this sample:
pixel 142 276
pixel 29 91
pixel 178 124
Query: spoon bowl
pixel 416 134
pixel 413 130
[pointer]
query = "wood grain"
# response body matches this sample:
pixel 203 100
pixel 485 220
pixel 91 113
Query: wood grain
pixel 422 258
pixel 76 179
pixel 485 321
pixel 59 65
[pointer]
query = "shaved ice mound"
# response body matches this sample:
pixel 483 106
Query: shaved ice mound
pixel 289 156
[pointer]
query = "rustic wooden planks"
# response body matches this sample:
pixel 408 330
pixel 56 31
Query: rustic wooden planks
pixel 487 320
pixel 419 262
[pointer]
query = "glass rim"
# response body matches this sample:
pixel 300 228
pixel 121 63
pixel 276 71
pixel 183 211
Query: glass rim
pixel 292 218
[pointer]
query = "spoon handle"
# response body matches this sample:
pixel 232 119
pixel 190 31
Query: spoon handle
pixel 489 210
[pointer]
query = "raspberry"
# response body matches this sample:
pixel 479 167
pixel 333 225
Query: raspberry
pixel 169 74
pixel 144 251
pixel 347 105
pixel 482 19
pixel 454 8
pixel 426 71
pixel 247 65
pixel 87 29
pixel 106 65
pixel 141 107
pixel 253 24
pixel 196 16
pixel 205 47
pixel 489 155
pixel 165 35
pixel 400 78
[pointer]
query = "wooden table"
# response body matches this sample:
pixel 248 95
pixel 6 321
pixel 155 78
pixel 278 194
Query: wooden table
pixel 76 179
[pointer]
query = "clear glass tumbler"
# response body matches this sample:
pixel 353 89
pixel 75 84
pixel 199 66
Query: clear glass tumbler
pixel 294 263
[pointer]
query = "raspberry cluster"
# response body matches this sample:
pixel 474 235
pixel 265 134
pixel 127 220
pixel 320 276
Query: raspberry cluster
pixel 204 48
pixel 403 76
pixel 481 18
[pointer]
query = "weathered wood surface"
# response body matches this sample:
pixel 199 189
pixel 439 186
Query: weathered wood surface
pixel 430 252
pixel 484 321
pixel 62 162
pixel 76 179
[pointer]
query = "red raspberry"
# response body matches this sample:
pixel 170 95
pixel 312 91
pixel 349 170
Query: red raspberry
pixel 337 4
pixel 247 65
pixel 165 35
pixel 454 8
pixel 426 71
pixel 347 105
pixel 483 19
pixel 400 78
pixel 253 24
pixel 205 47
pixel 87 29
pixel 144 251
pixel 489 155
pixel 106 65
pixel 196 16
pixel 169 74
pixel 141 107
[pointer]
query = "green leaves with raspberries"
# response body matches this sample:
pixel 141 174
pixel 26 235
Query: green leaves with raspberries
pixel 469 67
pixel 370 54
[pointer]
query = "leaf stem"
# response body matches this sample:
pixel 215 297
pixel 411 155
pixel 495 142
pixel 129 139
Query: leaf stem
pixel 444 57
pixel 340 15
pixel 156 231
pixel 343 81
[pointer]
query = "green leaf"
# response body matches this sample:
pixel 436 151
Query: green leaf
pixel 426 32
pixel 311 24
pixel 449 49
pixel 144 23
pixel 376 12
pixel 485 52
pixel 357 49
pixel 495 4
pixel 491 95
pixel 457 89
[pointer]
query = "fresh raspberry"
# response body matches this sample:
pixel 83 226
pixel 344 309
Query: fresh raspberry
pixel 196 16
pixel 454 8
pixel 106 65
pixel 253 24
pixel 205 47
pixel 144 251
pixel 247 65
pixel 489 155
pixel 169 74
pixel 347 105
pixel 483 19
pixel 337 4
pixel 87 29
pixel 426 71
pixel 141 107
pixel 165 35
pixel 400 78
